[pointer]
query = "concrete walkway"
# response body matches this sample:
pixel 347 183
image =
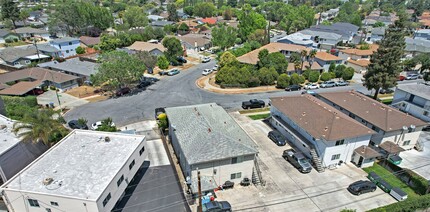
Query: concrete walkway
pixel 66 100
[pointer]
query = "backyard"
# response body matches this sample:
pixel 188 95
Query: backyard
pixel 259 116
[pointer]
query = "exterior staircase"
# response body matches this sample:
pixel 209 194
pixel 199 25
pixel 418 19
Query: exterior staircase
pixel 257 178
pixel 316 160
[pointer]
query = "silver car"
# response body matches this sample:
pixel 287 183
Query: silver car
pixel 328 84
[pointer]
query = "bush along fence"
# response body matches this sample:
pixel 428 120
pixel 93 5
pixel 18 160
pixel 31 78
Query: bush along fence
pixel 410 204
pixel 419 184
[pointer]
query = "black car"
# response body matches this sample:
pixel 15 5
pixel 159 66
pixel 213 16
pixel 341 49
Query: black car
pixel 74 124
pixel 386 91
pixel 277 138
pixel 122 91
pixel 293 88
pixel 176 63
pixel 144 84
pixel 253 103
pixel 426 128
pixel 361 187
pixel 182 59
pixel 218 206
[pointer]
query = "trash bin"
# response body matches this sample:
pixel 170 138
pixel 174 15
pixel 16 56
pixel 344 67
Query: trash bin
pixel 398 194
pixel 51 105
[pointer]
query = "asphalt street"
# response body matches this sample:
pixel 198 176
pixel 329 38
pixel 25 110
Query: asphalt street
pixel 173 91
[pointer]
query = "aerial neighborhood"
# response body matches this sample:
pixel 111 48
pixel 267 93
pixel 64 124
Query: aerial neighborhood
pixel 203 106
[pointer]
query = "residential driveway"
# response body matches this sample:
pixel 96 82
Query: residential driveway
pixel 66 100
pixel 286 187
pixel 418 161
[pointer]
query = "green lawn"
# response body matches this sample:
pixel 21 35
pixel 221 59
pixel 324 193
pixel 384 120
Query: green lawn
pixel 259 116
pixel 254 110
pixel 391 179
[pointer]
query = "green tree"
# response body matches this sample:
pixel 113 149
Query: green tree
pixel 306 73
pixel 378 24
pixel 174 48
pixel 224 36
pixel 135 17
pixel 183 28
pixel 295 79
pixel 249 21
pixel 227 59
pixel 227 14
pixel 232 3
pixel 263 58
pixel 332 67
pixel 278 61
pixel 326 76
pixel 80 50
pixel 173 13
pixel 148 59
pixel 385 63
pixel 204 9
pixel 339 70
pixel 314 76
pixel 10 11
pixel 162 62
pixel 39 126
pixel 348 73
pixel 118 69
pixel 283 81
pixel 259 35
pixel 107 126
pixel 267 76
pixel 189 10
pixel 220 3
pixel 24 14
pixel 424 60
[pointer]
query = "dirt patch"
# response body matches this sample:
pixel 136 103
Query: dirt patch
pixel 97 98
pixel 82 91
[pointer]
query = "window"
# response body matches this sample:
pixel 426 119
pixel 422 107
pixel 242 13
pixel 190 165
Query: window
pixel 340 142
pixel 406 142
pixel 236 175
pixel 33 203
pixel 426 113
pixel 16 63
pixel 236 160
pixel 106 199
pixel 27 62
pixel 141 150
pixel 54 203
pixel 335 157
pixel 118 183
pixel 48 210
pixel 131 165
pixel 67 51
pixel 70 43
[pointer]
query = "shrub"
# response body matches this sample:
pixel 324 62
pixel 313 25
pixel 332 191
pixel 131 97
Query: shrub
pixel 267 76
pixel 16 107
pixel 306 73
pixel 302 79
pixel 314 76
pixel 410 204
pixel 295 79
pixel 8 40
pixel 325 76
pixel 348 73
pixel 80 50
pixel 283 81
pixel 15 39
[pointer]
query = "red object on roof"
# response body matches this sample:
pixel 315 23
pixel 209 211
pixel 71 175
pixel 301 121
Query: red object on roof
pixel 209 20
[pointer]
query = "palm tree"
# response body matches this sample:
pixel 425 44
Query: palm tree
pixel 303 55
pixel 39 126
pixel 312 55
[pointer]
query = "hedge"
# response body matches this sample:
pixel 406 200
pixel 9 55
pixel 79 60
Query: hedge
pixel 16 107
pixel 409 205
pixel 413 180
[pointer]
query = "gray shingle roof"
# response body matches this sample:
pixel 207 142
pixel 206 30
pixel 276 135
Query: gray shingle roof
pixel 4 32
pixel 64 40
pixel 29 30
pixel 75 65
pixel 378 31
pixel 321 34
pixel 344 29
pixel 416 89
pixel 47 48
pixel 11 54
pixel 207 132
pixel 417 45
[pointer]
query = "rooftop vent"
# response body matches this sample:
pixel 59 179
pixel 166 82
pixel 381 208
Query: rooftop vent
pixel 209 130
pixel 107 139
pixel 304 114
pixel 405 128
pixel 325 128
pixel 48 181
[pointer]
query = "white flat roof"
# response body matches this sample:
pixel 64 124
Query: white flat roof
pixel 82 165
pixel 8 139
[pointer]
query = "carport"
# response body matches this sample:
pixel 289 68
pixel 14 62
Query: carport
pixel 21 88
pixel 392 151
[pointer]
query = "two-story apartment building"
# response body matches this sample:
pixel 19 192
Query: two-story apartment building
pixel 325 59
pixel 389 123
pixel 66 45
pixel 317 129
pixel 414 100
pixel 206 138
pixel 85 171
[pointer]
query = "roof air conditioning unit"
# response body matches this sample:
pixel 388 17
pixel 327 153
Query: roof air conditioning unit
pixel 412 128
pixel 405 128
pixel 48 181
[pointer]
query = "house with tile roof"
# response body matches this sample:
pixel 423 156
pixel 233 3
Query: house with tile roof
pixel 195 41
pixel 286 49
pixel 390 123
pixel 153 48
pixel 317 129
pixel 87 41
pixel 206 138
pixel 325 59
pixel 357 58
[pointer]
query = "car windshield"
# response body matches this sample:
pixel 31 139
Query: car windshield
pixel 303 161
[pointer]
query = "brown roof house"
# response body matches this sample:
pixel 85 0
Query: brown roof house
pixel 357 58
pixel 195 41
pixel 325 59
pixel 23 81
pixel 153 48
pixel 390 123
pixel 317 129
pixel 87 41
pixel 286 49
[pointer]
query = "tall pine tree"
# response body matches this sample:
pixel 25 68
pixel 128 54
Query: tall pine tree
pixel 385 64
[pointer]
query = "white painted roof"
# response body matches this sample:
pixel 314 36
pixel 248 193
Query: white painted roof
pixel 82 165
pixel 8 139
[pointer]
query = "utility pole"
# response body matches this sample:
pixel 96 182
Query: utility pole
pixel 37 49
pixel 199 208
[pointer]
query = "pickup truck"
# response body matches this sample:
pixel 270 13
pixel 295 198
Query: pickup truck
pixel 253 103
pixel 298 160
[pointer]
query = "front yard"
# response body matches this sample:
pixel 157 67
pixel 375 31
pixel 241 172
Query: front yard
pixel 390 178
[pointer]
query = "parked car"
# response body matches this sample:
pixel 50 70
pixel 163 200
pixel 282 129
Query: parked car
pixel 96 125
pixel 328 84
pixel 159 111
pixel 74 124
pixel 144 84
pixel 176 63
pixel 277 138
pixel 122 91
pixel 245 182
pixel 311 86
pixel 206 59
pixel 215 68
pixel 206 72
pixel 401 78
pixel 161 73
pixel 216 206
pixel 298 160
pixel 253 103
pixel 293 88
pixel 386 91
pixel 426 128
pixel 342 83
pixel 361 187
pixel 182 59
pixel 412 76
pixel 227 185
pixel 173 72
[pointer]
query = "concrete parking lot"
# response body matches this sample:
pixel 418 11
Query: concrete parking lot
pixel 286 187
pixel 418 161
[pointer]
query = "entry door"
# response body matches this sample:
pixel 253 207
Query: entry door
pixel 360 161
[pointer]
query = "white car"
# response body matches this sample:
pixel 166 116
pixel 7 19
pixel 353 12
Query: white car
pixel 207 72
pixel 206 59
pixel 215 68
pixel 311 86
pixel 96 125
